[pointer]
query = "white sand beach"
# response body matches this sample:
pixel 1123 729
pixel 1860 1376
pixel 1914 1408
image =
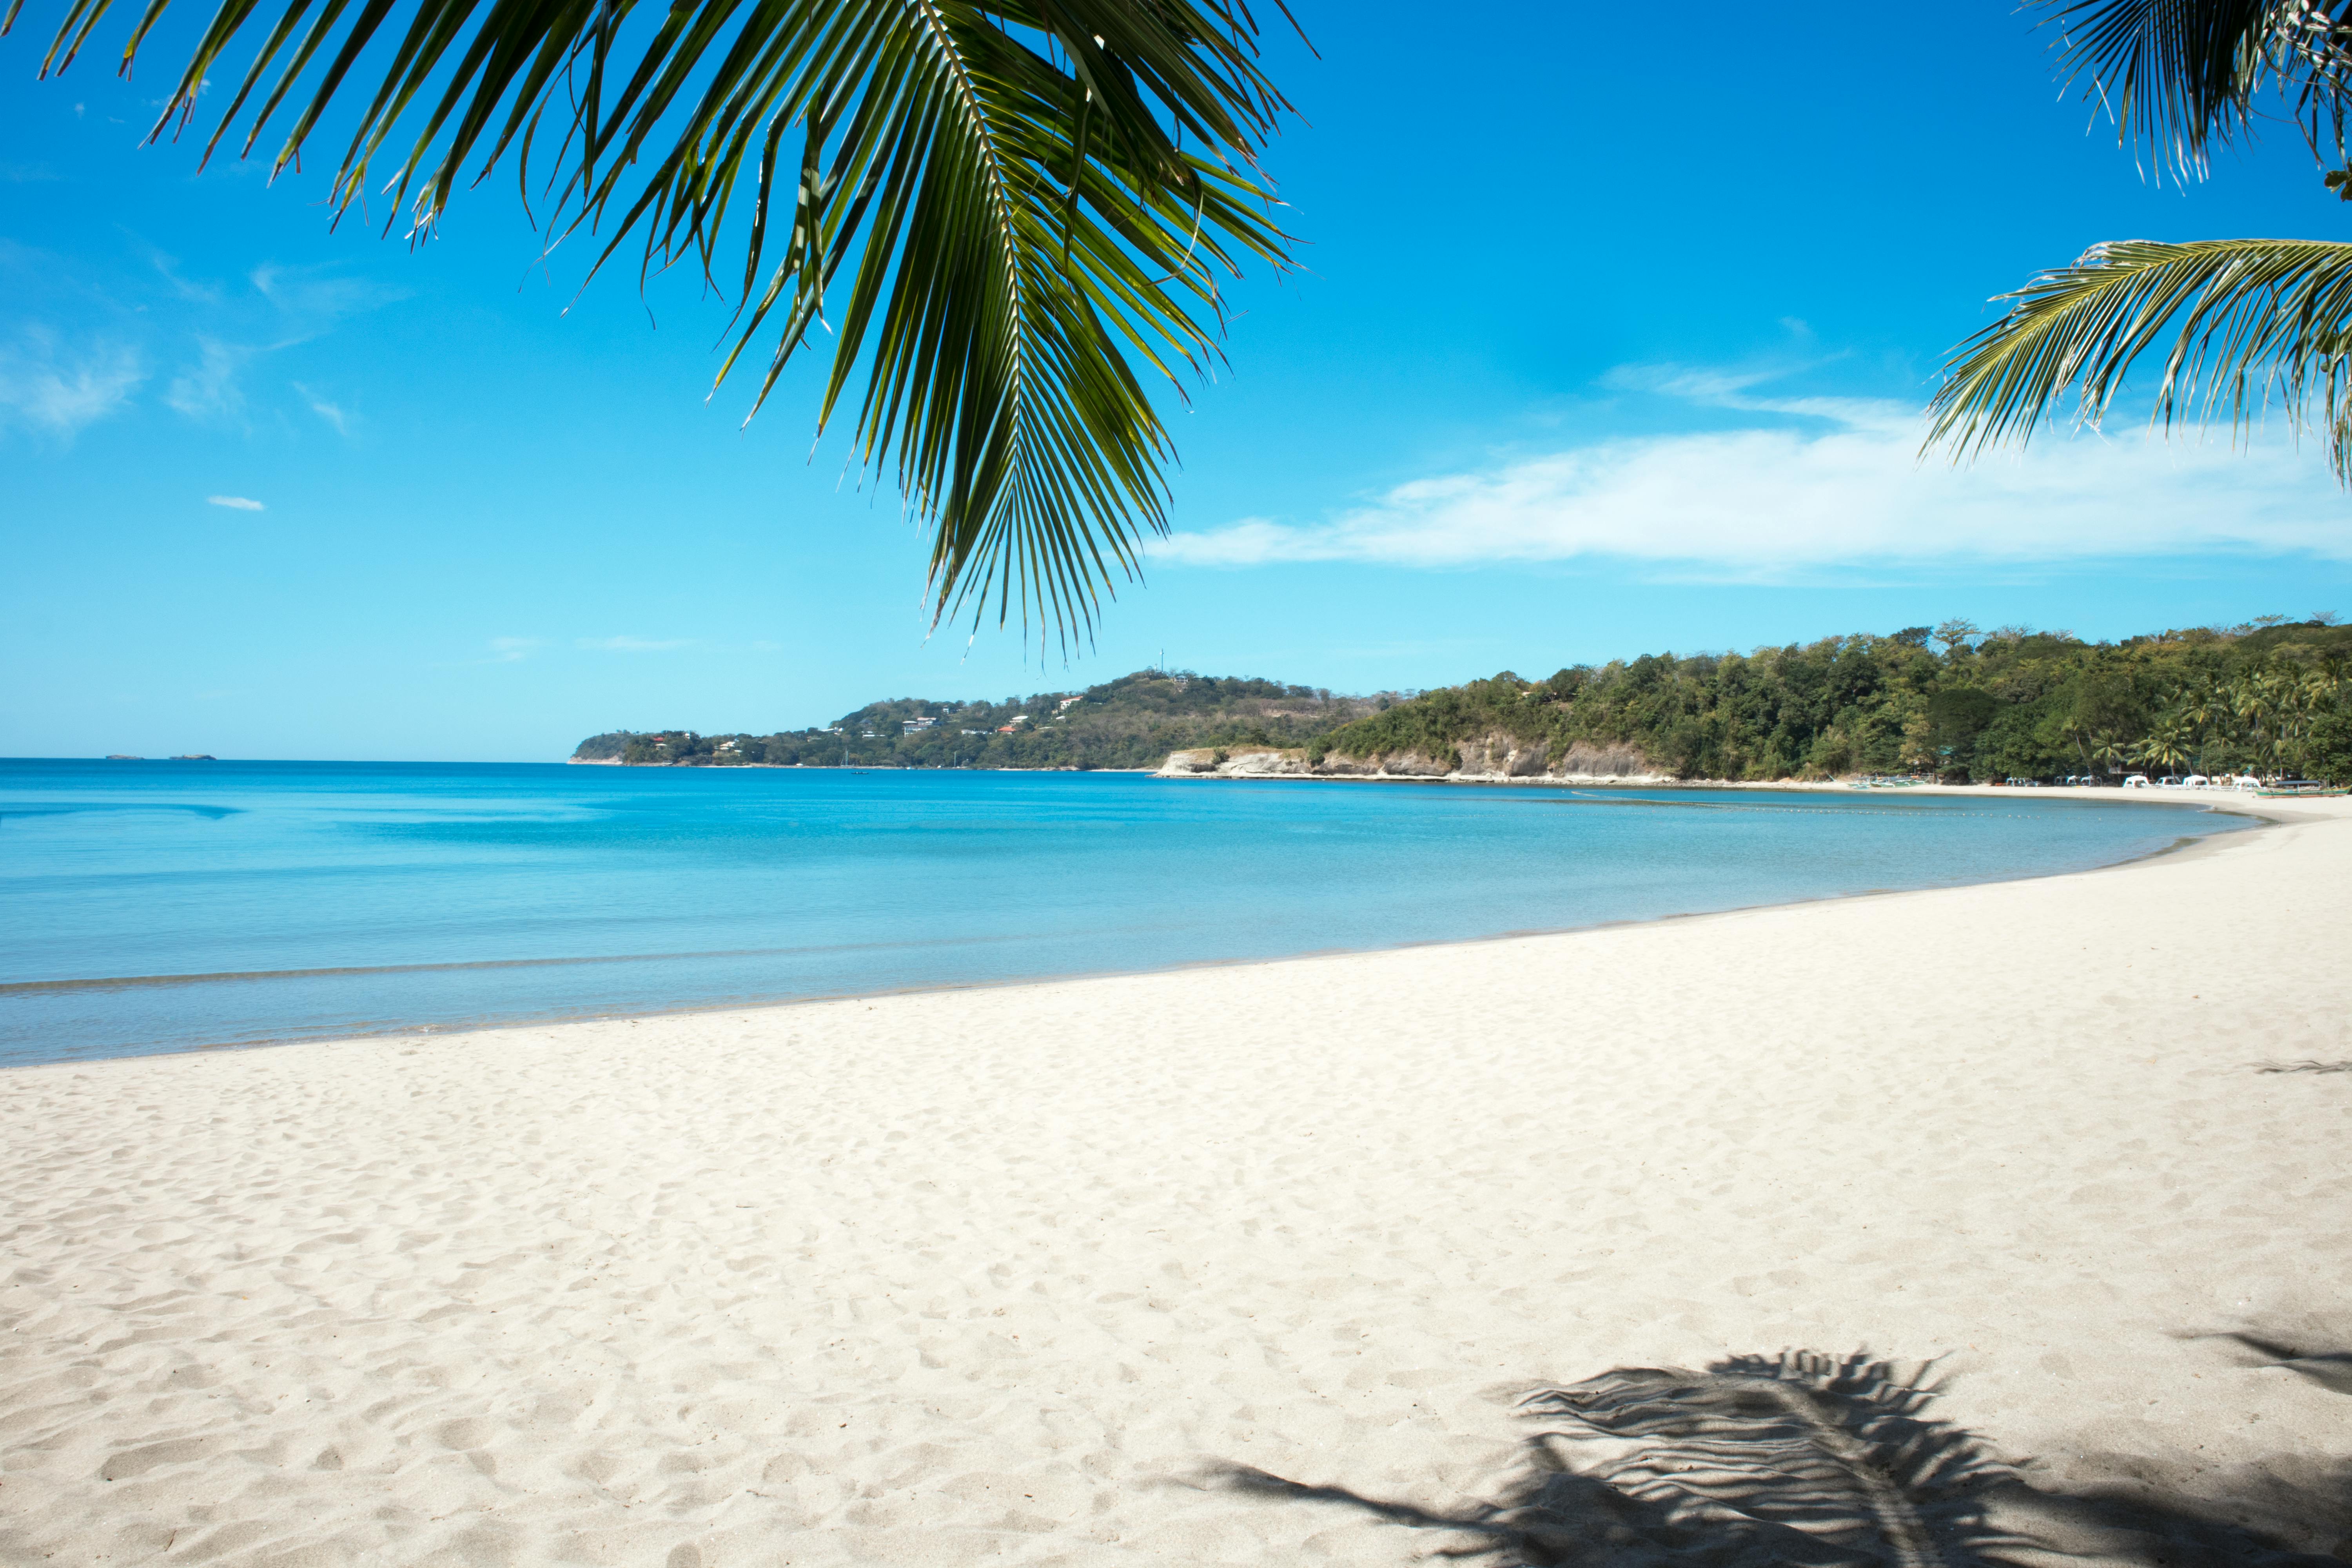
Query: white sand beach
pixel 1063 1273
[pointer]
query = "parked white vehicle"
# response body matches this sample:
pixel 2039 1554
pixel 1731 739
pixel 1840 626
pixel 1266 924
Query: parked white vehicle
pixel 2136 781
pixel 2195 780
pixel 2245 781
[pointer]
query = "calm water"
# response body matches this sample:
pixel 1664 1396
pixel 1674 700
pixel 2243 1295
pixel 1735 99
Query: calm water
pixel 285 901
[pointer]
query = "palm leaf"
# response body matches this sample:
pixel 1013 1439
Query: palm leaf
pixel 1015 197
pixel 2250 322
pixel 2184 74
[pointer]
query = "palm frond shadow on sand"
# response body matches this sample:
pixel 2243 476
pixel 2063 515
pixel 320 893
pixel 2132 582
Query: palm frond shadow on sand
pixel 1806 1459
pixel 2288 1352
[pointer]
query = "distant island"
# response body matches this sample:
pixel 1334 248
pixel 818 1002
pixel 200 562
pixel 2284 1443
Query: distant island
pixel 1950 702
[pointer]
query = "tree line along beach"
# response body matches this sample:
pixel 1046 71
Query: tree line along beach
pixel 1954 703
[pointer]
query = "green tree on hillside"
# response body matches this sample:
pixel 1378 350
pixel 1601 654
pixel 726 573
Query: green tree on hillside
pixel 1991 705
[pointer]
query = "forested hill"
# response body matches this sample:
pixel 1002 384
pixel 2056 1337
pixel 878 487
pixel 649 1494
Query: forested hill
pixel 1131 723
pixel 2271 697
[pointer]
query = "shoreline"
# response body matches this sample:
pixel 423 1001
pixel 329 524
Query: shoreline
pixel 2209 796
pixel 1252 1264
pixel 2265 814
pixel 828 767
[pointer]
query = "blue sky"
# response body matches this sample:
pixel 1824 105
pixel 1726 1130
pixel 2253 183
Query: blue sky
pixel 1603 343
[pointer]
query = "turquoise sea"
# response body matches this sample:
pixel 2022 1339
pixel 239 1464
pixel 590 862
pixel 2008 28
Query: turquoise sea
pixel 165 906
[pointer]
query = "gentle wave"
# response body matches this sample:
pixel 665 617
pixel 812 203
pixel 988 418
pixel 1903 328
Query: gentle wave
pixel 121 982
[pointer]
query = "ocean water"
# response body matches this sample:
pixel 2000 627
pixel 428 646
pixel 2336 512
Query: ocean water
pixel 167 906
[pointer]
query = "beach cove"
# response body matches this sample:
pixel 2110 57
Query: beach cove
pixel 1250 1263
pixel 159 908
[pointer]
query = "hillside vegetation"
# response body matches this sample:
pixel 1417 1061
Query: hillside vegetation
pixel 1952 701
pixel 2271 698
pixel 1131 723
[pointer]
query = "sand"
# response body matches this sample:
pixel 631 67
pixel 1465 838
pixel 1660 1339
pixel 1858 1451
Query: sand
pixel 1067 1273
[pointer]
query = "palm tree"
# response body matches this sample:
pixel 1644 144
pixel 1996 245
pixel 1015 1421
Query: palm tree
pixel 2111 749
pixel 2203 708
pixel 1002 211
pixel 2253 702
pixel 2298 696
pixel 2246 318
pixel 2165 748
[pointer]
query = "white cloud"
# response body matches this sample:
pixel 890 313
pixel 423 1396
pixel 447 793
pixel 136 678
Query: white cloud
pixel 59 391
pixel 634 644
pixel 167 266
pixel 208 389
pixel 506 650
pixel 315 297
pixel 235 503
pixel 1823 483
pixel 332 413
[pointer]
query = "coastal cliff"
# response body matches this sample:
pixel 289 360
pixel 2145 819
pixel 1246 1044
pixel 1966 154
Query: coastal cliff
pixel 1489 759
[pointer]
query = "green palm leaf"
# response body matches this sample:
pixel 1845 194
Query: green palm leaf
pixel 2249 321
pixel 2184 74
pixel 1018 201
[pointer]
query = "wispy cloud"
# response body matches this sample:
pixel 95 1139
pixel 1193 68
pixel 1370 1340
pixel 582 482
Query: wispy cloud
pixel 317 297
pixel 204 339
pixel 209 389
pixel 303 303
pixel 167 268
pixel 634 644
pixel 55 389
pixel 235 503
pixel 25 174
pixel 507 650
pixel 1808 484
pixel 331 411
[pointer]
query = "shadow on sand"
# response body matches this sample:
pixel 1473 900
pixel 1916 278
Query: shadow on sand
pixel 2305 1067
pixel 1807 1459
pixel 2331 1369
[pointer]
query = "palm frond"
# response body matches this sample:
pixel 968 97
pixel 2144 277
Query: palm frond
pixel 2251 321
pixel 1016 198
pixel 2182 75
